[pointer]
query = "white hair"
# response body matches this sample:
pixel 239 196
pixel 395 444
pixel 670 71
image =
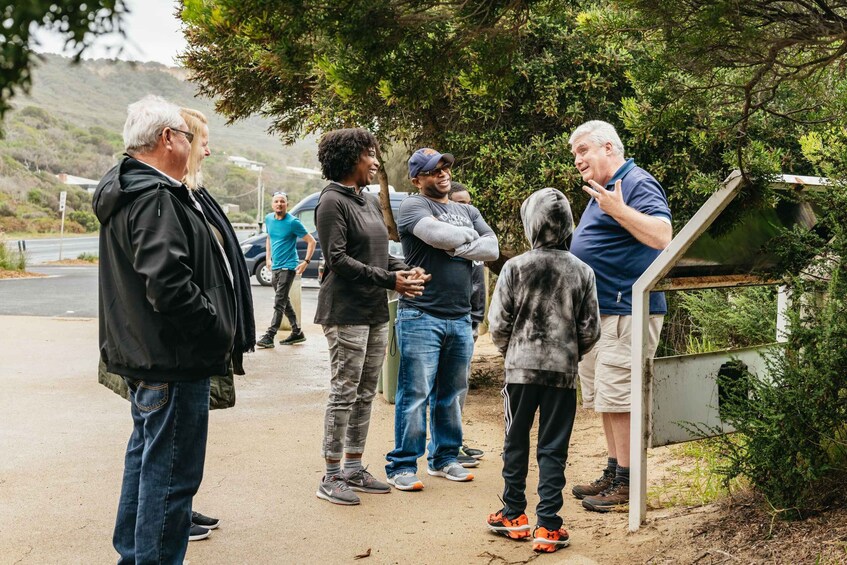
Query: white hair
pixel 600 133
pixel 145 121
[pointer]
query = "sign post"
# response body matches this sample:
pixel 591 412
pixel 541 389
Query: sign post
pixel 63 196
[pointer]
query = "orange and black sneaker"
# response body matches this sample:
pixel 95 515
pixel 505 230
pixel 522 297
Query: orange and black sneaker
pixel 513 528
pixel 548 541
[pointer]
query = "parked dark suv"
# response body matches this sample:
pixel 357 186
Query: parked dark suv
pixel 254 246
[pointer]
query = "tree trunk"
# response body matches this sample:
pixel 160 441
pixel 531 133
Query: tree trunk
pixel 385 202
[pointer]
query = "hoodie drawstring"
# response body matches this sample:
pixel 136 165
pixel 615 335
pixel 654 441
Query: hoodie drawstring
pixel 159 200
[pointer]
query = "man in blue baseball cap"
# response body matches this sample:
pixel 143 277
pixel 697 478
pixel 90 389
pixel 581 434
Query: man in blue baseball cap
pixel 434 329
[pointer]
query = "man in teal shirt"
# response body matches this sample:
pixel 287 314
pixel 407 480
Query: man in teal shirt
pixel 281 258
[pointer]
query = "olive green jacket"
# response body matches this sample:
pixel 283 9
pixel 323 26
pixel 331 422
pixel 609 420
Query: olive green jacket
pixel 221 395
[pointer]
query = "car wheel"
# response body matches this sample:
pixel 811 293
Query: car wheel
pixel 264 275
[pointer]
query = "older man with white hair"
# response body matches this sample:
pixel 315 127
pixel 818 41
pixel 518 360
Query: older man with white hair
pixel 623 229
pixel 167 324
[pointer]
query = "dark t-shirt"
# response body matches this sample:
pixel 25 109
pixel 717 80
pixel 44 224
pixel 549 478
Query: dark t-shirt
pixel 448 294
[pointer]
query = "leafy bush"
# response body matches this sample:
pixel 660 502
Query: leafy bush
pixel 35 196
pixel 714 319
pixel 86 219
pixel 794 446
pixel 90 257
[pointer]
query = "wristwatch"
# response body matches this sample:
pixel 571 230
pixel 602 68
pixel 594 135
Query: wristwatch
pixel 307 261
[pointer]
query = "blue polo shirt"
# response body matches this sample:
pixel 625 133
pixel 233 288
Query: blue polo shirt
pixel 616 257
pixel 284 234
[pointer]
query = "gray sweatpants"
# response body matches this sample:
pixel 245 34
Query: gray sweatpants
pixel 356 354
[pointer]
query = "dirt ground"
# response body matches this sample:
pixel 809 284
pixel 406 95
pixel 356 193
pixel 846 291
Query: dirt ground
pixel 62 440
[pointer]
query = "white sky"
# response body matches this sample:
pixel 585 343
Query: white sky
pixel 153 33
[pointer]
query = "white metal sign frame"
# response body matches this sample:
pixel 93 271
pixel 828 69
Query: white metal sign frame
pixel 642 374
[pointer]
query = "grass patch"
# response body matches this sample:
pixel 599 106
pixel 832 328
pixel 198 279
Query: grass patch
pixel 695 480
pixel 88 257
pixel 11 260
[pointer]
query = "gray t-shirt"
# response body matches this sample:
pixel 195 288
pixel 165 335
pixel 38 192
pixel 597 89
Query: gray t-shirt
pixel 448 294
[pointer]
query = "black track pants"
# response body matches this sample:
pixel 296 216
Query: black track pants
pixel 556 408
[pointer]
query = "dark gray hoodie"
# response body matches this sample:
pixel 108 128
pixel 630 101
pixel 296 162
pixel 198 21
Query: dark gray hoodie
pixel 544 315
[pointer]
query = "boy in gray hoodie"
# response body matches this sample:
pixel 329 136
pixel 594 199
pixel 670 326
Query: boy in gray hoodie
pixel 543 318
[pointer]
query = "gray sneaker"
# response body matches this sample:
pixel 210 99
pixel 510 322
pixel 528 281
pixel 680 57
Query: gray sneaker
pixel 452 471
pixel 467 461
pixel 362 481
pixel 406 481
pixel 335 490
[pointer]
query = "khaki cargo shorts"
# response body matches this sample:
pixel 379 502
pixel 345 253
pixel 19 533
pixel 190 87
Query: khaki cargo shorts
pixel 604 373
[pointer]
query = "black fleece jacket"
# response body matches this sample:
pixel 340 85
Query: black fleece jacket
pixel 167 307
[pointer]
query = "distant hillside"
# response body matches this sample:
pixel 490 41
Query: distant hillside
pixel 72 122
pixel 97 93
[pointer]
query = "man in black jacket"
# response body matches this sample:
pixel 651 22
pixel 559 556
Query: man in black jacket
pixel 167 323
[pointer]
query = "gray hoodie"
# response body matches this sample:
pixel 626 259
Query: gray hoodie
pixel 544 315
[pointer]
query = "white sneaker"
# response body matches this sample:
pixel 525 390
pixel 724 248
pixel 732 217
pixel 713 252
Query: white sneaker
pixel 452 471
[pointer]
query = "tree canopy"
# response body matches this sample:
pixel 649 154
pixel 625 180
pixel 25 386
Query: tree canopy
pixel 502 84
pixel 77 20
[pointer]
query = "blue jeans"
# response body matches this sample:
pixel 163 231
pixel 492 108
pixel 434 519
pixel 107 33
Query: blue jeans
pixel 435 356
pixel 162 470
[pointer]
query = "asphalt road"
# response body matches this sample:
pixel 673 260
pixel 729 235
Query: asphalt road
pixel 71 291
pixel 40 251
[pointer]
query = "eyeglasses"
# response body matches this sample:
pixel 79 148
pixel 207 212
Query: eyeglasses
pixel 188 135
pixel 280 193
pixel 434 172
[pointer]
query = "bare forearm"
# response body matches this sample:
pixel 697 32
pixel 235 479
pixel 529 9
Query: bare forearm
pixel 652 231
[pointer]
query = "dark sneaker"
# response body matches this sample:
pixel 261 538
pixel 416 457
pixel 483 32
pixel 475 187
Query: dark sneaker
pixel 514 528
pixel 615 497
pixel 595 488
pixel 471 452
pixel 548 541
pixel 362 481
pixel 198 532
pixel 265 342
pixel 406 481
pixel 298 337
pixel 467 461
pixel 205 521
pixel 451 471
pixel 335 490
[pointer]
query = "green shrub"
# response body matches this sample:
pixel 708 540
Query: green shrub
pixel 86 219
pixel 35 196
pixel 793 445
pixel 700 321
pixel 90 257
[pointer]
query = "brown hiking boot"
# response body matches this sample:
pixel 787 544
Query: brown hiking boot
pixel 615 498
pixel 595 488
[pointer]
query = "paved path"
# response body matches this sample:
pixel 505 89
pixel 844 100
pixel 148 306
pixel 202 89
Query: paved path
pixel 62 440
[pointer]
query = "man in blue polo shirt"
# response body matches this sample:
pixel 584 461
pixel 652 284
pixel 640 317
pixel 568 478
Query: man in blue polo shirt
pixel 623 229
pixel 281 257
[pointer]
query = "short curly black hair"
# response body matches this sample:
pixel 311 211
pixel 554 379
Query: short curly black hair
pixel 339 151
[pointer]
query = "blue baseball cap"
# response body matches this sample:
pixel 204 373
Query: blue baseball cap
pixel 426 159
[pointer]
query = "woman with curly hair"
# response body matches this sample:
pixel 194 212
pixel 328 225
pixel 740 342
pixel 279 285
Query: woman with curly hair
pixel 353 306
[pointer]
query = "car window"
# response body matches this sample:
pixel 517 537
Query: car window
pixel 307 217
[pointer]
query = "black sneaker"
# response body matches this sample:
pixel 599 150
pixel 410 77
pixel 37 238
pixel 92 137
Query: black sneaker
pixel 198 532
pixel 472 452
pixel 265 342
pixel 205 521
pixel 293 338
